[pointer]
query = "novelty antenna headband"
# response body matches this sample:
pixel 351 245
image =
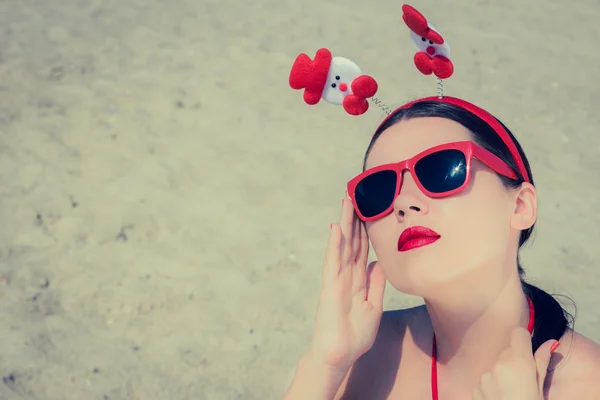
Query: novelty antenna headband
pixel 339 81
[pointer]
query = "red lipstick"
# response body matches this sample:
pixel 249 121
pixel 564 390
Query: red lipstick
pixel 416 236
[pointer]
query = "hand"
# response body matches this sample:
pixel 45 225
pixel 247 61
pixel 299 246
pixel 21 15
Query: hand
pixel 517 375
pixel 351 299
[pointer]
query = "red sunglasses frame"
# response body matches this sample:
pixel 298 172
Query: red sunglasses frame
pixel 468 148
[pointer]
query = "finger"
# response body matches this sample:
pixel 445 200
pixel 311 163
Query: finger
pixel 375 286
pixel 356 242
pixel 542 361
pixel 331 266
pixel 487 387
pixel 359 275
pixel 363 255
pixel 478 394
pixel 346 226
pixel 359 280
pixel 520 341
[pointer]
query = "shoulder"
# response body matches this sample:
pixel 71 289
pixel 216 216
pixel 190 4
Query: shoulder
pixel 574 372
pixel 374 374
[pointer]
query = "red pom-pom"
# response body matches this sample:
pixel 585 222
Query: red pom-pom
pixel 417 23
pixel 311 75
pixel 364 86
pixel 423 63
pixel 440 66
pixel 355 105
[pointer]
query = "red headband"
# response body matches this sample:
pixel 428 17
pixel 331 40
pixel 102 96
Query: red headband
pixel 485 116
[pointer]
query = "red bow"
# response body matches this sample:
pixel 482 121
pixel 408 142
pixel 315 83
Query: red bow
pixel 440 66
pixel 363 87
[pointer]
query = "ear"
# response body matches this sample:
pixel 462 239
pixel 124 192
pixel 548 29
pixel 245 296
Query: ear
pixel 525 207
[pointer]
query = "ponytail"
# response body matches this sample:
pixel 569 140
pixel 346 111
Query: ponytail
pixel 551 319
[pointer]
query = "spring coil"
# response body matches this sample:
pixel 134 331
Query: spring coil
pixel 381 104
pixel 440 88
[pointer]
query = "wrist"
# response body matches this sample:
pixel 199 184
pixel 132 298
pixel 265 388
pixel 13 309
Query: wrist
pixel 320 366
pixel 315 380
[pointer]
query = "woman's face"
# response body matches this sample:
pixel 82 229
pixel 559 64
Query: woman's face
pixel 474 225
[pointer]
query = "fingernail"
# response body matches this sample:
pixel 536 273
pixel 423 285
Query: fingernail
pixel 554 347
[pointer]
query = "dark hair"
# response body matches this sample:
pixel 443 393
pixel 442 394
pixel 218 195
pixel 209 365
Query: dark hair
pixel 551 320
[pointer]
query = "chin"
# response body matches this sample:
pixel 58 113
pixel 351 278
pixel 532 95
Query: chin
pixel 415 278
pixel 437 267
pixel 424 275
pixel 421 286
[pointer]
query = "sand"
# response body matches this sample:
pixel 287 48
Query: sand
pixel 165 197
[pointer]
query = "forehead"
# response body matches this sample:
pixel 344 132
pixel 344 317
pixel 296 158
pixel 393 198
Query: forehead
pixel 410 137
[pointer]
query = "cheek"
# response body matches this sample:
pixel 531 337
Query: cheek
pixel 383 238
pixel 481 223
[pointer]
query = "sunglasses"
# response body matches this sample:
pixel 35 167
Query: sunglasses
pixel 440 171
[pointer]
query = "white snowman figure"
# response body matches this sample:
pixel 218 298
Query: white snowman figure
pixel 342 73
pixel 336 80
pixel 428 46
pixel 433 52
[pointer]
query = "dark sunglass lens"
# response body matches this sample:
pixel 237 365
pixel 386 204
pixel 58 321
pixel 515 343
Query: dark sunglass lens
pixel 375 193
pixel 442 171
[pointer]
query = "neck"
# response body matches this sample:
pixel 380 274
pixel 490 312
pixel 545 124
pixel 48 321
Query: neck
pixel 470 335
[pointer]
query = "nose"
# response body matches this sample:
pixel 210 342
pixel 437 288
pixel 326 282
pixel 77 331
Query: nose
pixel 410 200
pixel 430 50
pixel 343 87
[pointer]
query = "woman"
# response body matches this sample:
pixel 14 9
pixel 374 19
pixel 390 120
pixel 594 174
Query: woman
pixel 448 228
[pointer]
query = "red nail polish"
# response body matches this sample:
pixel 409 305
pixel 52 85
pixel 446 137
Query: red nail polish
pixel 554 347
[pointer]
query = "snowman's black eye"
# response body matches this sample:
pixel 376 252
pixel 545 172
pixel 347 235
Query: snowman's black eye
pixel 423 39
pixel 430 42
pixel 333 85
pixel 337 77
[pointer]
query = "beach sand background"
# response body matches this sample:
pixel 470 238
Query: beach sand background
pixel 165 197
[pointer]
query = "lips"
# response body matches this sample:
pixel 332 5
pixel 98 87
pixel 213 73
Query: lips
pixel 416 236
